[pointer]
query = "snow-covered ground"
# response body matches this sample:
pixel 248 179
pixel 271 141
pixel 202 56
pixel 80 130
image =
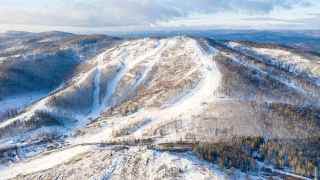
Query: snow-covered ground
pixel 163 80
pixel 296 62
pixel 146 53
pixel 160 165
pixel 191 103
pixel 19 102
pixel 42 163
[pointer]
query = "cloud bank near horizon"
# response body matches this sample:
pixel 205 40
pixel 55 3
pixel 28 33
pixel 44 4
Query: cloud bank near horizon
pixel 162 13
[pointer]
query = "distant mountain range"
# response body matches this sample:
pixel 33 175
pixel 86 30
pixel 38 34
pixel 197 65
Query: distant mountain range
pixel 306 39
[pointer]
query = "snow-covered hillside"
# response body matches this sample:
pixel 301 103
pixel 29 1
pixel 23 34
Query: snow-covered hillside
pixel 160 109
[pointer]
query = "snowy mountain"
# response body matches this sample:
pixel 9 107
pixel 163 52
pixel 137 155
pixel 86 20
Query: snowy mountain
pixel 97 107
pixel 32 65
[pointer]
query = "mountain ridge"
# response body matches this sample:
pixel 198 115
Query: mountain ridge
pixel 135 97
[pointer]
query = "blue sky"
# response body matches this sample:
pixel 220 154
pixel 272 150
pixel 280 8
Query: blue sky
pixel 146 14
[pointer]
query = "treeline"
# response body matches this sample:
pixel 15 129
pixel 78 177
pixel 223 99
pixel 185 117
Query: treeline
pixel 244 153
pixel 10 113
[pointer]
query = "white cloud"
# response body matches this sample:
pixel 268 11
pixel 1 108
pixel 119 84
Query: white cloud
pixel 101 13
